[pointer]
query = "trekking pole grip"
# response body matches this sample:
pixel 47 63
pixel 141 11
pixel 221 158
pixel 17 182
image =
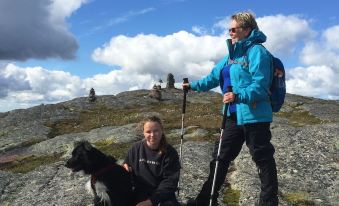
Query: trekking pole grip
pixel 185 93
pixel 224 116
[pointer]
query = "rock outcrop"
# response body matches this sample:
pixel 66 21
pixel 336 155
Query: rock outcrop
pixel 35 143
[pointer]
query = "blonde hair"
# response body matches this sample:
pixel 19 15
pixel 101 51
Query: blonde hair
pixel 245 20
pixel 163 141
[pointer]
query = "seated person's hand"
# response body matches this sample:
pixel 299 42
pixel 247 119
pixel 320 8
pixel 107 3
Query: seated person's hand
pixel 145 203
pixel 127 168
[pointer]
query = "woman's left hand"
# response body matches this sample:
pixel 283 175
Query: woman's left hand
pixel 147 202
pixel 228 97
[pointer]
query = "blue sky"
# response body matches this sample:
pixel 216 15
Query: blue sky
pixel 57 50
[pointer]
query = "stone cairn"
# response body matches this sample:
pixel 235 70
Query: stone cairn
pixel 170 81
pixel 91 96
pixel 156 92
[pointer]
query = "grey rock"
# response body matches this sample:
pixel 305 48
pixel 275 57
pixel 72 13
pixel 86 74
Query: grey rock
pixel 48 185
pixel 65 143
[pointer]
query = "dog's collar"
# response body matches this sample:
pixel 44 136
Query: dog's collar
pixel 98 173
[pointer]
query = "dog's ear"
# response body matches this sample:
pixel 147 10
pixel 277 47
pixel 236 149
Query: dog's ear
pixel 87 146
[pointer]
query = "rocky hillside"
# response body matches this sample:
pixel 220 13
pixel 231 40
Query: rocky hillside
pixel 35 142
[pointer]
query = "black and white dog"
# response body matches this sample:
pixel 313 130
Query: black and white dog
pixel 110 183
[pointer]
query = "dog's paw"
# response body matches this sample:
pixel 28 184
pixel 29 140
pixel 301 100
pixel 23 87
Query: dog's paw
pixel 71 173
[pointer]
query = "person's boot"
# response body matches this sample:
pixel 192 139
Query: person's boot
pixel 269 182
pixel 269 202
pixel 201 202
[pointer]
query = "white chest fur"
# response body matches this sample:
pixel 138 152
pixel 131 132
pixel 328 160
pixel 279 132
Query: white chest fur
pixel 101 191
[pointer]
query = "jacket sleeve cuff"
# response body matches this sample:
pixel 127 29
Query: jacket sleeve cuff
pixel 154 201
pixel 236 98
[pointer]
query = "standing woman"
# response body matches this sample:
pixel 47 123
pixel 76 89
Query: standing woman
pixel 248 69
pixel 155 166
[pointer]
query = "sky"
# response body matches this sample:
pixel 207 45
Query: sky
pixel 56 50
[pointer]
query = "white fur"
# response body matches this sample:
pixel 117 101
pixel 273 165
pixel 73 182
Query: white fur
pixel 89 187
pixel 101 191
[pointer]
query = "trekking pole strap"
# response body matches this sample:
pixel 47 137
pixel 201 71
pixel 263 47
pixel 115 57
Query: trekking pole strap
pixel 224 116
pixel 185 93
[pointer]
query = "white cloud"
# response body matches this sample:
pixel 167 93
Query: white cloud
pixel 152 54
pixel 331 37
pixel 320 78
pixel 50 86
pixel 285 33
pixel 12 80
pixel 199 30
pixel 119 80
pixel 314 81
pixel 315 53
pixel 186 54
pixel 26 87
pixel 61 9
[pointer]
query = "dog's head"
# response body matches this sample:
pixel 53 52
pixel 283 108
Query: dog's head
pixel 81 159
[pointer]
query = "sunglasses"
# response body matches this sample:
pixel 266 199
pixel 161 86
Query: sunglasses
pixel 233 30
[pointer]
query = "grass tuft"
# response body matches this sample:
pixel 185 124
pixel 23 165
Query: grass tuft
pixel 299 198
pixel 299 118
pixel 206 116
pixel 231 196
pixel 117 150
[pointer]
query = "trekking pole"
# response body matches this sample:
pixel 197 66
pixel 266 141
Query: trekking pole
pixel 229 89
pixel 182 128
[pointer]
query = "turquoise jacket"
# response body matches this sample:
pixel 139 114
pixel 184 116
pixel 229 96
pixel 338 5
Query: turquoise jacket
pixel 251 77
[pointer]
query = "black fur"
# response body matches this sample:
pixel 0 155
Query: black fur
pixel 106 171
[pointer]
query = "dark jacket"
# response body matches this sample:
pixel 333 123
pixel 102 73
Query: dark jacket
pixel 155 175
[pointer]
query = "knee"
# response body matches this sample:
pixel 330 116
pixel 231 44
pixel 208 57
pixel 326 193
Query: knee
pixel 264 154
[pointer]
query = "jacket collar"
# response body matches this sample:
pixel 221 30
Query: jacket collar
pixel 255 37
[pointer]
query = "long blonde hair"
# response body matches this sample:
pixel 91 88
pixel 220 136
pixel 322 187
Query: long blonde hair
pixel 163 142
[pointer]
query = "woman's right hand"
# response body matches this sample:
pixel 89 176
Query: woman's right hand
pixel 186 86
pixel 127 168
pixel 228 97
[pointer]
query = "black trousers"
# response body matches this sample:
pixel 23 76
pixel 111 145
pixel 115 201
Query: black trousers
pixel 257 137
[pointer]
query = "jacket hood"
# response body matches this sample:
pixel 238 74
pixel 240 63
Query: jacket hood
pixel 255 37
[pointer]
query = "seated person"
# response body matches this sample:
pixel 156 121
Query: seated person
pixel 155 166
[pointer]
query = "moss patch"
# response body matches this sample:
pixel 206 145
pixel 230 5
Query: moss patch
pixel 117 150
pixel 27 164
pixel 91 119
pixel 231 196
pixel 206 116
pixel 210 137
pixel 299 118
pixel 298 199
